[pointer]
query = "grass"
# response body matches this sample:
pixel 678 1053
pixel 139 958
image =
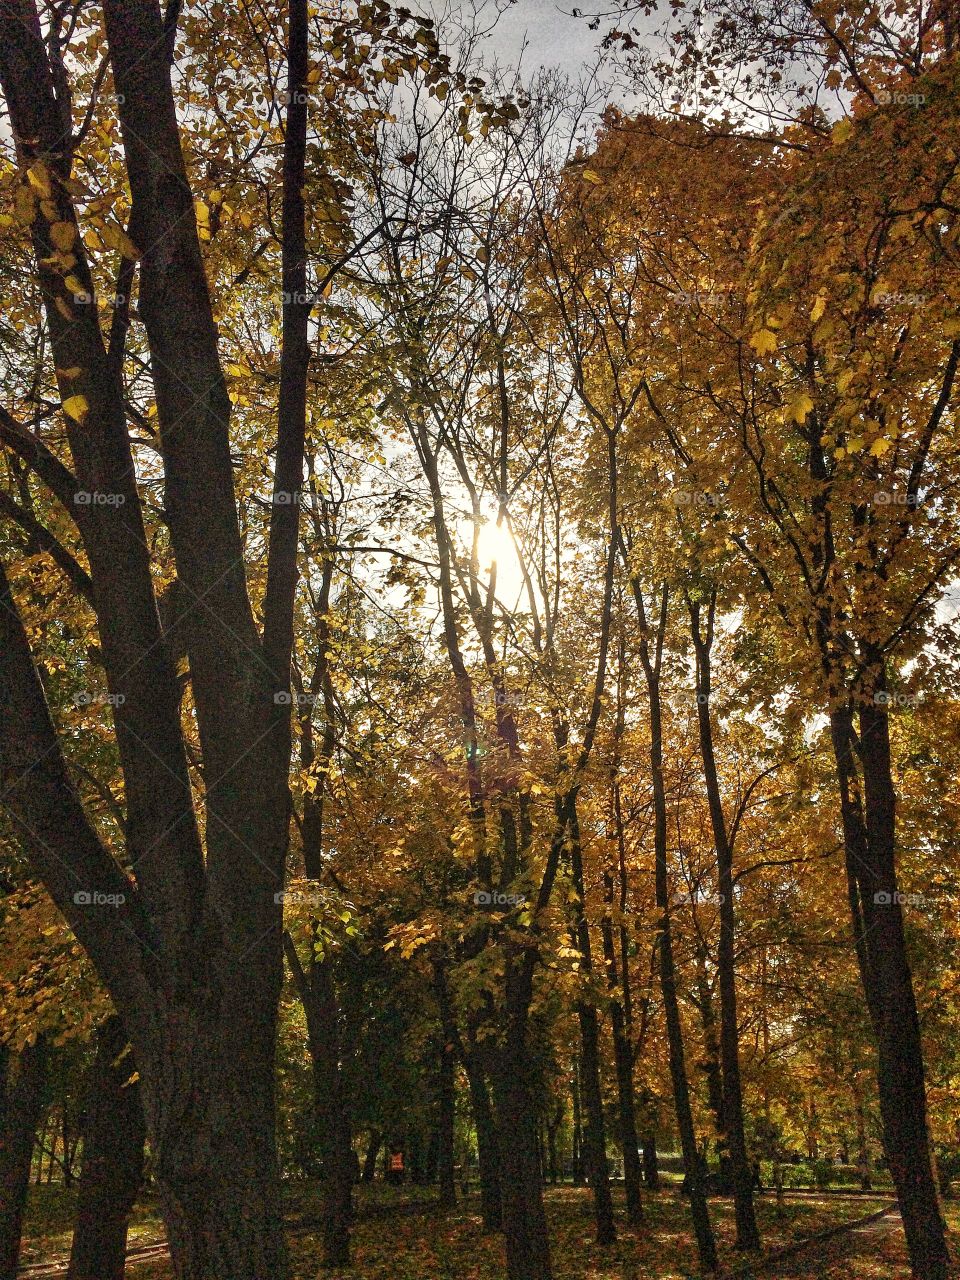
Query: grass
pixel 425 1244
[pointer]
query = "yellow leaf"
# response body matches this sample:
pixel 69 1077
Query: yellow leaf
pixel 329 92
pixel 591 176
pixel 124 245
pixel 818 308
pixel 39 178
pixel 841 131
pixel 76 407
pixel 63 308
pixel 799 407
pixel 879 447
pixel 63 235
pixel 764 342
pixel 24 205
pixel 74 285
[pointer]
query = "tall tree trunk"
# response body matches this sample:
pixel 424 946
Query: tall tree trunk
pixel 515 1098
pixel 472 1058
pixel 553 1126
pixel 375 1141
pixel 22 1098
pixel 576 1155
pixel 651 1168
pixel 446 1126
pixel 863 1154
pixel 652 664
pixel 869 840
pixel 748 1235
pixel 113 1138
pixel 713 1072
pixel 488 1154
pixel 618 985
pixel 597 1174
pixel 318 997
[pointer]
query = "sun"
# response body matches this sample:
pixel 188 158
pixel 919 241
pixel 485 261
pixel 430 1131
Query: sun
pixel 495 546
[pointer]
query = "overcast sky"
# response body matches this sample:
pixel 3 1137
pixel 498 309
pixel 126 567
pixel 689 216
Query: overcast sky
pixel 554 39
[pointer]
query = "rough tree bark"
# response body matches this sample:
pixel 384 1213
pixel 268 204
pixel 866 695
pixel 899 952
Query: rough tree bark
pixel 446 1125
pixel 113 1138
pixel 867 799
pixel 22 1097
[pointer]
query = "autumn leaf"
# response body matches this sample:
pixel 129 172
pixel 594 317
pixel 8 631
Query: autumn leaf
pixel 764 342
pixel 76 407
pixel 799 407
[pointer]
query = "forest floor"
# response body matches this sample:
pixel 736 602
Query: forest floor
pixel 399 1237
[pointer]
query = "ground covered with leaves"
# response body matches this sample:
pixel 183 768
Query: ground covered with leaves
pixel 402 1236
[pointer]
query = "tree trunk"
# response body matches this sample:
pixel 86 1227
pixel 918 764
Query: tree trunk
pixel 515 1097
pixel 318 997
pixel 487 1144
pixel 699 1210
pixel 748 1235
pixel 21 1103
pixel 619 1002
pixel 651 1169
pixel 869 840
pixel 113 1138
pixel 553 1125
pixel 714 1073
pixel 863 1154
pixel 446 1126
pixel 596 1147
pixel 576 1154
pixel 370 1159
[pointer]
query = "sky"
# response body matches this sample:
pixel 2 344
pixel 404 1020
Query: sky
pixel 556 40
